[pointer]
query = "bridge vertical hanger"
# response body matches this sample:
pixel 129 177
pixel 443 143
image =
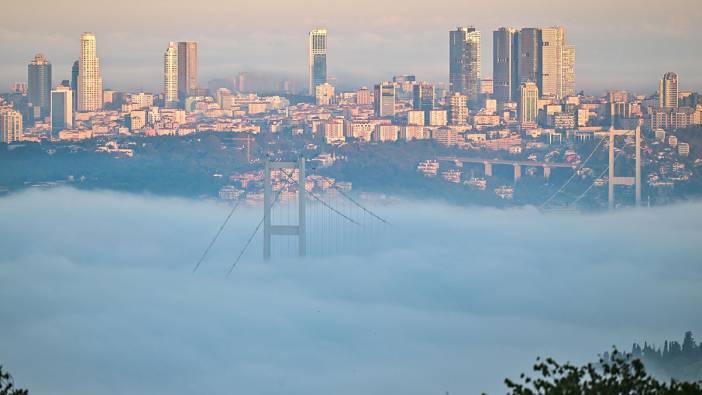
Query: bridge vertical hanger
pixel 269 229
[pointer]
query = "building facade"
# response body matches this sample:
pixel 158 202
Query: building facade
pixel 458 109
pixel 39 85
pixel 61 108
pixel 423 97
pixel 187 69
pixel 10 126
pixel 529 56
pixel 89 77
pixel 668 91
pixel 170 76
pixel 316 59
pixel 529 103
pixel 464 62
pixel 384 100
pixel 504 65
pixel 552 42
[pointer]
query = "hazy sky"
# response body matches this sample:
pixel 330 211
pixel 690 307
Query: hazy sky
pixel 98 297
pixel 622 44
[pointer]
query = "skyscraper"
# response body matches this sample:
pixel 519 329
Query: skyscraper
pixel 668 91
pixel 423 97
pixel 316 59
pixel 10 126
pixel 504 65
pixel 384 104
pixel 528 103
pixel 39 85
pixel 458 109
pixel 464 62
pixel 552 39
pixel 529 56
pixel 75 70
pixel 569 70
pixel 187 69
pixel 61 108
pixel 89 78
pixel 170 76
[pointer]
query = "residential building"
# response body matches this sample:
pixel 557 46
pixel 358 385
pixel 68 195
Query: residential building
pixel 170 76
pixel 528 103
pixel 668 91
pixel 458 109
pixel 10 126
pixel 324 94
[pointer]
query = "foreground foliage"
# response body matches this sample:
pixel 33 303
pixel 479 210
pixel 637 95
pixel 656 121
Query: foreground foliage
pixel 7 385
pixel 619 374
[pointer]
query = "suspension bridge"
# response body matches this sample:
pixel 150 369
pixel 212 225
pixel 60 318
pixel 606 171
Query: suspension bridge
pixel 307 216
pixel 299 221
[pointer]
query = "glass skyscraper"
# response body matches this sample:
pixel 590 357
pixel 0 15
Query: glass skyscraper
pixel 317 60
pixel 39 85
pixel 464 62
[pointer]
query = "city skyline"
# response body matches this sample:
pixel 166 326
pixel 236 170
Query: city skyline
pixel 606 55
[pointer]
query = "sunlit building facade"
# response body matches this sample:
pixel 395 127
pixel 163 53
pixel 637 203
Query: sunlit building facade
pixel 187 69
pixel 170 76
pixel 464 62
pixel 668 91
pixel 10 126
pixel 61 108
pixel 384 100
pixel 89 77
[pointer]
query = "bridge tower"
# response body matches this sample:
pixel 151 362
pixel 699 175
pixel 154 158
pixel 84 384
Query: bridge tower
pixel 613 179
pixel 269 229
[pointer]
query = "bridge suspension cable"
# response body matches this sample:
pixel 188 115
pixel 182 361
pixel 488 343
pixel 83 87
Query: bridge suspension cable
pixel 253 234
pixel 319 199
pixel 579 198
pixel 572 177
pixel 214 239
pixel 359 205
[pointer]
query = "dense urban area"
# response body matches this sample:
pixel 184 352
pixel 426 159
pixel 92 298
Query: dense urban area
pixel 522 136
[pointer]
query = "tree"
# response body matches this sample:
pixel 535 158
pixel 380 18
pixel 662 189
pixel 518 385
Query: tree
pixel 616 375
pixel 7 385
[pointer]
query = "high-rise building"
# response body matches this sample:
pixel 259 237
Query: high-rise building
pixel 39 85
pixel 316 59
pixel 552 42
pixel 618 105
pixel 504 65
pixel 464 62
pixel 324 94
pixel 10 126
pixel 187 69
pixel 384 99
pixel 458 109
pixel 529 56
pixel 170 76
pixel 668 91
pixel 423 97
pixel 363 96
pixel 528 103
pixel 89 77
pixel 61 108
pixel 75 70
pixel 569 70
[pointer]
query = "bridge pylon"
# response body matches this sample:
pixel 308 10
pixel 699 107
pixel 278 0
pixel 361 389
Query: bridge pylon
pixel 270 229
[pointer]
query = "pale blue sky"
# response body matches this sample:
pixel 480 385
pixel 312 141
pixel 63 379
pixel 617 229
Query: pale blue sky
pixel 623 44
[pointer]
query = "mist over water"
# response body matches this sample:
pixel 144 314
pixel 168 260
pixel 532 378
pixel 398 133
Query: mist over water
pixel 98 297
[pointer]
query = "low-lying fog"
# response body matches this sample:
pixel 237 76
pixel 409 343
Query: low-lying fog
pixel 98 297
